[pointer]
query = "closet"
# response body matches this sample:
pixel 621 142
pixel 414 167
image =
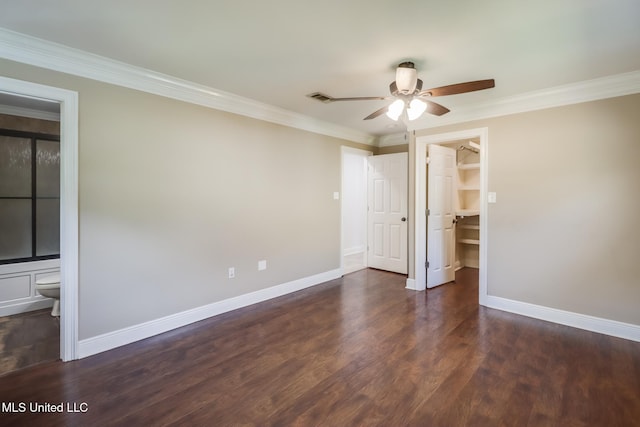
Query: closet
pixel 467 229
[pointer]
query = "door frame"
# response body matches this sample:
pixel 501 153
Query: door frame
pixel 68 101
pixel 420 249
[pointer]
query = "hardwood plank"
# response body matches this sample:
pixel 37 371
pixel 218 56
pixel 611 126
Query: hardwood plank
pixel 361 350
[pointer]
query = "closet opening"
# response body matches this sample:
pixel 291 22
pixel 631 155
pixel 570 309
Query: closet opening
pixel 451 208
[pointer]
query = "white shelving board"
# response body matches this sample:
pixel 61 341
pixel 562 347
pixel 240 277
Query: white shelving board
pixel 467 212
pixel 468 166
pixel 469 241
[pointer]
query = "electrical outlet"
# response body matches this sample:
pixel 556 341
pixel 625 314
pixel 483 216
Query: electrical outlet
pixel 262 265
pixel 232 272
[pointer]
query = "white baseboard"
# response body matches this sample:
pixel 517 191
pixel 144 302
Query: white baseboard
pixel 32 304
pixel 111 340
pixel 576 320
pixel 411 284
pixel 353 251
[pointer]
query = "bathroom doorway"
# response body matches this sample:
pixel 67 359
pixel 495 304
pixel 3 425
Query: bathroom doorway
pixel 28 94
pixel 30 226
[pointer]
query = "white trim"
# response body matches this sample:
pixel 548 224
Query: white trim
pixel 111 340
pixel 420 249
pixel 29 304
pixel 568 318
pixel 574 93
pixel 53 56
pixel 28 112
pixel 355 250
pixel 411 284
pixel 68 203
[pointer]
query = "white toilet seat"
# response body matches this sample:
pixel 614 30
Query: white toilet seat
pixel 51 279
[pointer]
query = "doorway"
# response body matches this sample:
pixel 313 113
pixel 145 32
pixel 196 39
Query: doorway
pixel 354 209
pixel 420 249
pixel 374 211
pixel 68 101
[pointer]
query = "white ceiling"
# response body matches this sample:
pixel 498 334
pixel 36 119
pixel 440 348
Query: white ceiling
pixel 278 51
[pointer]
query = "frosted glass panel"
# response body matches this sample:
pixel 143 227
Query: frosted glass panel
pixel 15 167
pixel 47 227
pixel 15 229
pixel 47 168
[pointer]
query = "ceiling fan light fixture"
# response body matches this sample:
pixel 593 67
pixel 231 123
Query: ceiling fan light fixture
pixel 406 78
pixel 416 108
pixel 395 109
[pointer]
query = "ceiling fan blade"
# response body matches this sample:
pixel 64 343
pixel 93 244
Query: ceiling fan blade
pixel 435 108
pixel 377 113
pixel 459 88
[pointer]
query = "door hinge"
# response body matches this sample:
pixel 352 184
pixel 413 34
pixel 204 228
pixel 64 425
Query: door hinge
pixel 427 212
pixel 426 265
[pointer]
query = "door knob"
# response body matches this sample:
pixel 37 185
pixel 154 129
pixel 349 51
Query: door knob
pixel 403 219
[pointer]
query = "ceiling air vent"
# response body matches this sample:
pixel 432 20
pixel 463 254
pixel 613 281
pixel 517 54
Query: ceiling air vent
pixel 320 97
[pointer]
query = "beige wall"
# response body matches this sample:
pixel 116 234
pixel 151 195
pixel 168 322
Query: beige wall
pixel 171 195
pixel 563 232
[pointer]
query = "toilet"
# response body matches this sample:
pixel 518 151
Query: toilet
pixel 49 286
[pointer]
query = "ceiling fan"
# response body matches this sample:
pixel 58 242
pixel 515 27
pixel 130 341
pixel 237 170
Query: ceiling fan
pixel 410 100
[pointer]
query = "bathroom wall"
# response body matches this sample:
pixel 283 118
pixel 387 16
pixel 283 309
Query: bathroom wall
pixel 17 281
pixel 28 124
pixel 17 286
pixel 172 194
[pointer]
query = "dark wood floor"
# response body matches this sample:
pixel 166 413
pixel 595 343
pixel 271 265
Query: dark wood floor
pixel 28 339
pixel 361 350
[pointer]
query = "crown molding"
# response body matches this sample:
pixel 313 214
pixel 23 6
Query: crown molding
pixel 574 93
pixel 41 53
pixel 53 56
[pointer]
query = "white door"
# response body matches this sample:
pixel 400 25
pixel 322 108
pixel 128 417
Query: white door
pixel 441 215
pixel 387 212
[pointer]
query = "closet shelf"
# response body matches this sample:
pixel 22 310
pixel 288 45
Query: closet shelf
pixel 468 166
pixel 467 212
pixel 468 188
pixel 469 227
pixel 469 241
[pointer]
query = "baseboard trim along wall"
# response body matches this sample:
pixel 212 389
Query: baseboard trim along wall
pixel 31 304
pixel 111 340
pixel 411 284
pixel 581 321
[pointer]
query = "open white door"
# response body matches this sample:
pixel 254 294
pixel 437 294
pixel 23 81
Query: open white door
pixel 441 215
pixel 387 212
